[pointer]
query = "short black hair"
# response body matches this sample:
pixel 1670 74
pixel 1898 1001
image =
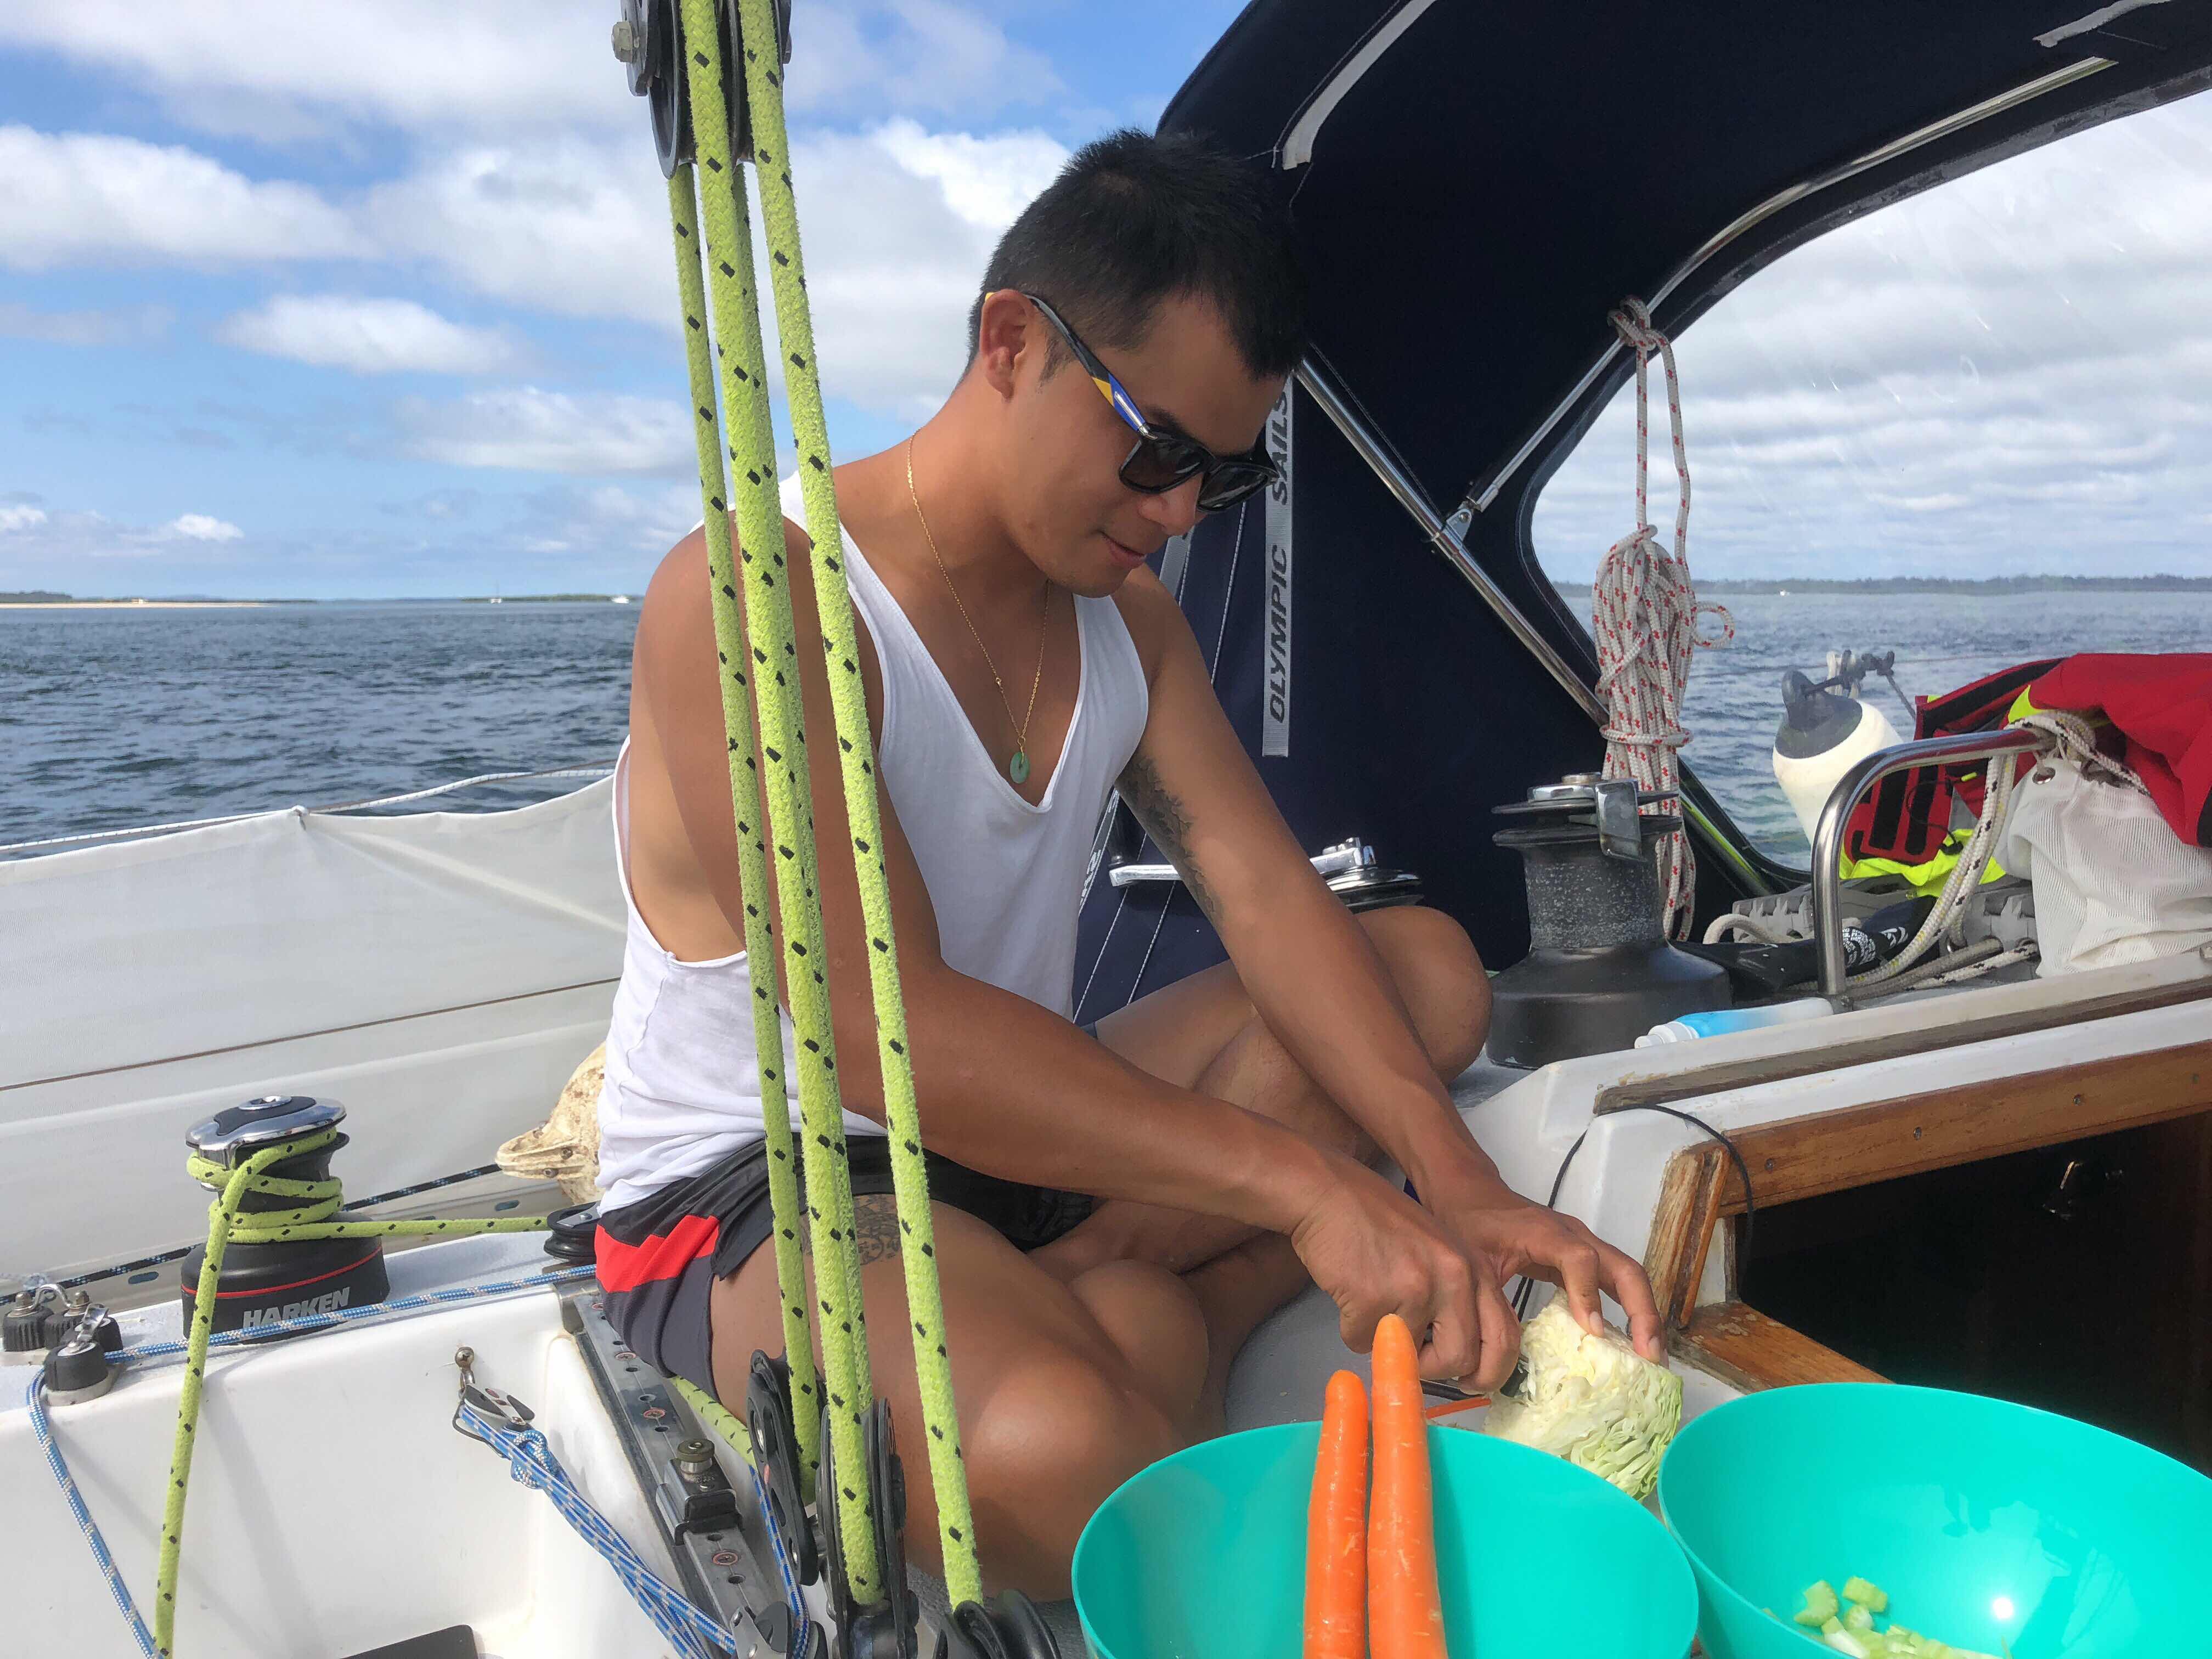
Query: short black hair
pixel 1134 219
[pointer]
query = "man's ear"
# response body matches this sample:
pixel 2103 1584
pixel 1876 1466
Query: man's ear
pixel 1004 333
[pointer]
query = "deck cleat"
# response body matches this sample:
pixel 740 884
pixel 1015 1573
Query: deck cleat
pixel 76 1366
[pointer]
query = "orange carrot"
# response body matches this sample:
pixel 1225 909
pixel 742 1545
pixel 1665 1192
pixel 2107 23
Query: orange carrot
pixel 1405 1619
pixel 1336 1528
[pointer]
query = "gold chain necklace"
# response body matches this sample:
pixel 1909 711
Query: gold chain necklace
pixel 1018 768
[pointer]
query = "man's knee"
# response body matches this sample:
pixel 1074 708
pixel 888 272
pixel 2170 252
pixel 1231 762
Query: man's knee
pixel 1057 1437
pixel 1440 979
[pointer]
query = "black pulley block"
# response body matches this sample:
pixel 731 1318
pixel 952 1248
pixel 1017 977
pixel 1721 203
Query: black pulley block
pixel 572 1235
pixel 648 42
pixel 1008 1627
pixel 769 1424
pixel 887 1628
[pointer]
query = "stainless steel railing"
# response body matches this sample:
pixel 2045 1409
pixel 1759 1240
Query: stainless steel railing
pixel 1835 815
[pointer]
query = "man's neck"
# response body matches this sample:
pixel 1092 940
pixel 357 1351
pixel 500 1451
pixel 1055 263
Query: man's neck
pixel 949 514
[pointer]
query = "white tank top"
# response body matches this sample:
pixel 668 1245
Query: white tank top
pixel 1005 879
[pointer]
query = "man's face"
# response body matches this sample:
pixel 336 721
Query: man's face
pixel 1066 505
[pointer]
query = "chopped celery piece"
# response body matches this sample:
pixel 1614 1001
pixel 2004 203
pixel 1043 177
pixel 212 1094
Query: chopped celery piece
pixel 1819 1604
pixel 1872 1597
pixel 1854 1633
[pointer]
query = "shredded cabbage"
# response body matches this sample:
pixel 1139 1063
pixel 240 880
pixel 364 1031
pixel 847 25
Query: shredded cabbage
pixel 1591 1400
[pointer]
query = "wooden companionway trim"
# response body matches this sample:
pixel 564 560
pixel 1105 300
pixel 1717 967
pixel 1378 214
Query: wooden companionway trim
pixel 1834 1151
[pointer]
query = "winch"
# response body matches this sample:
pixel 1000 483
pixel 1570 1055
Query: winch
pixel 1598 972
pixel 264 1282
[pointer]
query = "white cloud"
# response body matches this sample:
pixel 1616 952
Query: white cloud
pixel 531 430
pixel 913 54
pixel 16 518
pixel 572 225
pixel 2009 373
pixel 899 225
pixel 988 180
pixel 368 335
pixel 199 527
pixel 77 198
pixel 275 68
pixel 279 71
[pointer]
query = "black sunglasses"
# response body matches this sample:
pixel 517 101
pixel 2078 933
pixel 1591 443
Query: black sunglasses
pixel 1160 460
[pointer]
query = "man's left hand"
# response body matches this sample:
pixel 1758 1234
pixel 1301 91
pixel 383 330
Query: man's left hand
pixel 1516 1236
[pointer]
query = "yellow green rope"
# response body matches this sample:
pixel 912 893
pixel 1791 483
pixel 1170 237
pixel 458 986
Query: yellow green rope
pixel 304 1221
pixel 752 849
pixel 769 657
pixel 856 748
pixel 716 1416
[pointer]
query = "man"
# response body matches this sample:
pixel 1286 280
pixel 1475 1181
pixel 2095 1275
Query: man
pixel 1116 1210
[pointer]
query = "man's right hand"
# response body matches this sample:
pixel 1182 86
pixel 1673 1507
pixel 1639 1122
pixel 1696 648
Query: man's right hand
pixel 1376 1251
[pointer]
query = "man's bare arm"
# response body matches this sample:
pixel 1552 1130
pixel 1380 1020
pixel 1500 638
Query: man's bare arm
pixel 1306 963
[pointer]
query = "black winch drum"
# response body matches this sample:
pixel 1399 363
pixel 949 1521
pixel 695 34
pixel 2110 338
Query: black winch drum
pixel 1600 972
pixel 285 1278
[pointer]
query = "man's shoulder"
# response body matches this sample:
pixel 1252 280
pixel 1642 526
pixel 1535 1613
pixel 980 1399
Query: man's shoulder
pixel 1154 621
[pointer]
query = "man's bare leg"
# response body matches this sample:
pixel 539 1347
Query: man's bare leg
pixel 1056 1411
pixel 1202 1033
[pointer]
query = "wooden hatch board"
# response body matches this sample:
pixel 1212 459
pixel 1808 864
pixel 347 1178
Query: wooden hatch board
pixel 1834 1151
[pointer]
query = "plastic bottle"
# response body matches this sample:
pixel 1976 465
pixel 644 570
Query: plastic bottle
pixel 1719 1022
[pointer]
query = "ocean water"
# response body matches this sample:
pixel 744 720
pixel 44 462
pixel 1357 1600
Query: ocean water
pixel 114 718
pixel 1734 701
pixel 111 718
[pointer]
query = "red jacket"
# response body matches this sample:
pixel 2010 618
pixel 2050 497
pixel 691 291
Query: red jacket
pixel 2162 706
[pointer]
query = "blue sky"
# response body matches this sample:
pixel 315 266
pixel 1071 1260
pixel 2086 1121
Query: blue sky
pixel 375 299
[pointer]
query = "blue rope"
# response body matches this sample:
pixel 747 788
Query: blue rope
pixel 42 1427
pixel 531 1461
pixel 43 1431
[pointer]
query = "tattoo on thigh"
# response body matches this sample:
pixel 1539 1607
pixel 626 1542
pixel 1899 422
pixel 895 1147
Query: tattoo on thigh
pixel 1164 817
pixel 875 1228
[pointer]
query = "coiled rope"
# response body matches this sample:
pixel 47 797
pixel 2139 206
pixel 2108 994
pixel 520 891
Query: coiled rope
pixel 1644 617
pixel 759 656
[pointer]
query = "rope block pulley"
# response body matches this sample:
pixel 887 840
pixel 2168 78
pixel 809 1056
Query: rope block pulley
pixel 648 43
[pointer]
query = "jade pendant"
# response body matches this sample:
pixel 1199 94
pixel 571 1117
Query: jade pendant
pixel 1018 768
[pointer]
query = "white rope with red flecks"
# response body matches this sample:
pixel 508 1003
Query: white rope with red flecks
pixel 1644 614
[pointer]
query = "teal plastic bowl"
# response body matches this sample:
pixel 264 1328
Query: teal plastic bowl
pixel 1202 1556
pixel 1988 1523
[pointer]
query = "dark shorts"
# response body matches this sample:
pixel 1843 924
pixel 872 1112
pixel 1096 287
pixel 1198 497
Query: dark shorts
pixel 660 1257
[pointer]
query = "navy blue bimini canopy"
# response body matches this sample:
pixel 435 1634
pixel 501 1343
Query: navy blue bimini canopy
pixel 1474 187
